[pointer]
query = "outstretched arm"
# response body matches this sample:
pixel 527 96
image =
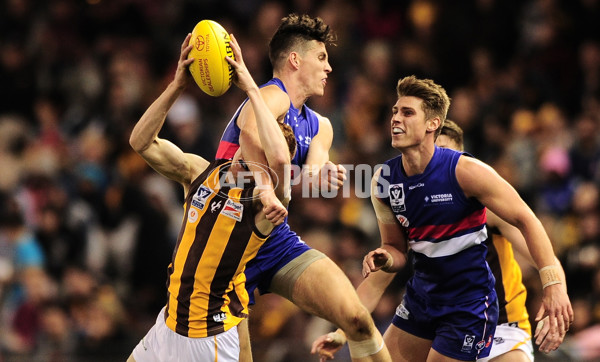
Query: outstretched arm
pixel 482 182
pixel 162 155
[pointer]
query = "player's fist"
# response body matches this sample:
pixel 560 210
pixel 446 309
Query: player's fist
pixel 378 259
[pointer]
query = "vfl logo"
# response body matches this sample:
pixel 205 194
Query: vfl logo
pixel 219 317
pixel 397 198
pixel 468 343
pixel 233 210
pixel 215 206
pixel 402 312
pixel 199 43
pixel 199 199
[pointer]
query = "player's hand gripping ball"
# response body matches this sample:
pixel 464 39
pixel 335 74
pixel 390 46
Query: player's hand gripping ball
pixel 210 70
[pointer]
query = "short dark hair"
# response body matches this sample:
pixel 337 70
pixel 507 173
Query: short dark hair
pixel 295 30
pixel 454 132
pixel 435 100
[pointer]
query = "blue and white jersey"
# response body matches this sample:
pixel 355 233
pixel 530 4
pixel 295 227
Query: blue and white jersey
pixel 304 123
pixel 444 228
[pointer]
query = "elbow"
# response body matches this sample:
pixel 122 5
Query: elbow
pixel 136 144
pixel 280 161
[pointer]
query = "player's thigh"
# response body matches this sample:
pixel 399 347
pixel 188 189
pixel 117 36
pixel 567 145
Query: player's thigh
pixel 324 290
pixel 404 346
pixel 245 346
pixel 435 356
pixel 513 356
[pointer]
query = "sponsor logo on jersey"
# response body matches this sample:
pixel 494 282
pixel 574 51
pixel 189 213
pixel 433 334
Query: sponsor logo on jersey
pixel 468 343
pixel 199 199
pixel 219 317
pixel 397 198
pixel 233 210
pixel 403 220
pixel 412 187
pixel 439 199
pixel 304 140
pixel 480 345
pixel 193 215
pixel 499 340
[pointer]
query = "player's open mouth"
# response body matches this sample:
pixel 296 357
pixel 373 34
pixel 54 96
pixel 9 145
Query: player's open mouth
pixel 397 130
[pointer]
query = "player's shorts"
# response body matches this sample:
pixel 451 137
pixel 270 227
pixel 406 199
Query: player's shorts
pixel 282 246
pixel 462 331
pixel 508 338
pixel 161 344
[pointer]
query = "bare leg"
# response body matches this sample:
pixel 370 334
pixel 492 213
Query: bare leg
pixel 245 348
pixel 324 290
pixel 404 346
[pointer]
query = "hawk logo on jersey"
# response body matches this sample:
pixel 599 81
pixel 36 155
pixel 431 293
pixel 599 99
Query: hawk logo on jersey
pixel 219 317
pixel 199 199
pixel 215 206
pixel 397 198
pixel 233 210
pixel 468 343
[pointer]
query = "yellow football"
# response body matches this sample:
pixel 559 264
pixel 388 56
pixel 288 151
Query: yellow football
pixel 210 70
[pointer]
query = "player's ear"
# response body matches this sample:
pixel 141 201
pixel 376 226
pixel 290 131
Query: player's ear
pixel 294 59
pixel 433 124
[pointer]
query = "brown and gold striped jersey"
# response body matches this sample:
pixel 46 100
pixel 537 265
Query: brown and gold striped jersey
pixel 218 236
pixel 510 289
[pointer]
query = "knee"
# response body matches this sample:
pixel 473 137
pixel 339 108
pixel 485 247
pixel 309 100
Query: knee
pixel 359 324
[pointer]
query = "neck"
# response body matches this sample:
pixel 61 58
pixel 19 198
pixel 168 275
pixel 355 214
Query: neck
pixel 415 159
pixel 294 89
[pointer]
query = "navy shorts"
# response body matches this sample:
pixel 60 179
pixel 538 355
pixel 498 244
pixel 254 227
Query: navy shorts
pixel 463 331
pixel 282 246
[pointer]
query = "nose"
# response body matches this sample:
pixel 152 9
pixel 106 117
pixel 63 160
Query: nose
pixel 328 68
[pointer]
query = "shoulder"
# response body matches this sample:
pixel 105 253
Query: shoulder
pixel 474 176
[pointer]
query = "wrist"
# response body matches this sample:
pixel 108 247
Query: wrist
pixel 388 264
pixel 549 275
pixel 340 336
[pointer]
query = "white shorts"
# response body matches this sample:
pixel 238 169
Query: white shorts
pixel 161 344
pixel 508 339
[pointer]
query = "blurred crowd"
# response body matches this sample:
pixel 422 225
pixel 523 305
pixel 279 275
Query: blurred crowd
pixel 87 229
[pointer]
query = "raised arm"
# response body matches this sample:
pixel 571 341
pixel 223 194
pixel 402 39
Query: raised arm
pixel 270 136
pixel 162 155
pixel 480 181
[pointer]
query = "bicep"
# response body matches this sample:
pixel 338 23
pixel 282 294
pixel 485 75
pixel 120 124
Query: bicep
pixel 318 151
pixel 482 182
pixel 170 161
